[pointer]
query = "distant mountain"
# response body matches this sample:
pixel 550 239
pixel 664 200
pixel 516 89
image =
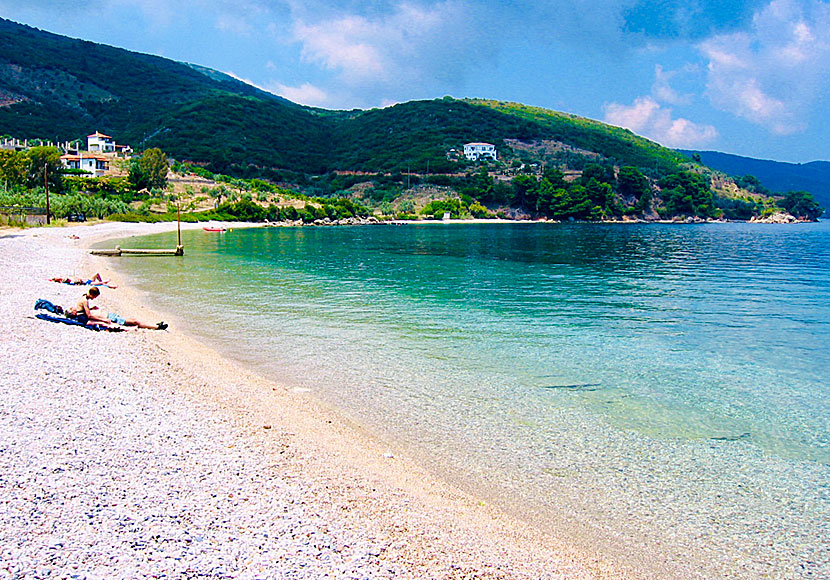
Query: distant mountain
pixel 813 177
pixel 59 88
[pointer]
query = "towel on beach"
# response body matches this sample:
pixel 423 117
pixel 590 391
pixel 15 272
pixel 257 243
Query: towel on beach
pixel 73 322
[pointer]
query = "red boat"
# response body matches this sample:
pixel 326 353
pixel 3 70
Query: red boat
pixel 207 229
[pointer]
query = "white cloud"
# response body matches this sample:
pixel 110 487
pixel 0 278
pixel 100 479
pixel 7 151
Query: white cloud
pixel 348 44
pixel 305 94
pixel 233 23
pixel 646 117
pixel 776 73
pixel 663 90
pixel 405 45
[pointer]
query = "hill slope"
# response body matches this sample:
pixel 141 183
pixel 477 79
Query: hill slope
pixel 63 88
pixel 813 177
pixel 55 87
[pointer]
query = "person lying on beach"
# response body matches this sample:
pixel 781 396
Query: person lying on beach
pixel 94 281
pixel 83 313
pixel 117 319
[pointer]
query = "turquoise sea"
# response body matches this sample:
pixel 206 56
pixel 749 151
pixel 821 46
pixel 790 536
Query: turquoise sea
pixel 657 393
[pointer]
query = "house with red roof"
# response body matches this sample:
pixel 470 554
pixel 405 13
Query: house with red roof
pixel 92 163
pixel 100 143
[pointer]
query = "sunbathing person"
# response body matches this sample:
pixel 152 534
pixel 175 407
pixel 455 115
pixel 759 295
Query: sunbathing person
pixel 94 281
pixel 117 319
pixel 83 313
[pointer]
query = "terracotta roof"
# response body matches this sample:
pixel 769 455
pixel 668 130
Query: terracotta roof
pixel 82 156
pixel 97 134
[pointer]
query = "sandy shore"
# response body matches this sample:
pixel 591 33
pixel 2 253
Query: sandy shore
pixel 145 454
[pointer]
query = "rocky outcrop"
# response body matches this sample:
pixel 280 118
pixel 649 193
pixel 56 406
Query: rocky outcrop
pixel 776 218
pixel 352 221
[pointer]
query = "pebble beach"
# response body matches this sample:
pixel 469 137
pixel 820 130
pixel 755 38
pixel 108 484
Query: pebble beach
pixel 145 454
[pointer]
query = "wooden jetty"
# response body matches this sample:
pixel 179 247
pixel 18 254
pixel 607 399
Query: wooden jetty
pixel 119 251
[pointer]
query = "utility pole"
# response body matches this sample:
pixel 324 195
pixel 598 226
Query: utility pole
pixel 46 184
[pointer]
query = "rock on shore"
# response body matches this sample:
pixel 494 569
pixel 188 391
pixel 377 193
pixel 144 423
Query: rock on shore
pixel 776 218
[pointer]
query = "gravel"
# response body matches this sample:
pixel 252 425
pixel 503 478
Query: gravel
pixel 145 455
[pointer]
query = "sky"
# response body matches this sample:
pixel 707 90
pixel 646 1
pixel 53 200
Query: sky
pixel 747 77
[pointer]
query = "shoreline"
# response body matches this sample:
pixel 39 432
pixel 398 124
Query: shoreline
pixel 362 509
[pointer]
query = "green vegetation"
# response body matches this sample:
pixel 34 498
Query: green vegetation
pixel 272 159
pixel 801 204
pixel 687 193
pixel 149 171
pixel 203 116
pixel 617 144
pixel 36 167
pixel 61 206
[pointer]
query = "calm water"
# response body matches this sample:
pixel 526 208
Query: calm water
pixel 658 393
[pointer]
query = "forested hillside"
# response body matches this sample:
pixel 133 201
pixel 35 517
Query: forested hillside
pixel 775 175
pixel 550 164
pixel 58 88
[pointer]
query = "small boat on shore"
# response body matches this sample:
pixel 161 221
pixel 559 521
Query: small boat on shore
pixel 213 229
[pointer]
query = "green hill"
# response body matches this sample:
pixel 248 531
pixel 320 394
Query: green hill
pixel 58 88
pixel 813 177
pixel 53 87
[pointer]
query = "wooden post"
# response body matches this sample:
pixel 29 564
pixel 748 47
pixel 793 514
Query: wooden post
pixel 179 220
pixel 46 184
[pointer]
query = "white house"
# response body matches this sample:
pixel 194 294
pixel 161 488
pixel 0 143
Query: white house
pixel 475 151
pixel 100 143
pixel 97 165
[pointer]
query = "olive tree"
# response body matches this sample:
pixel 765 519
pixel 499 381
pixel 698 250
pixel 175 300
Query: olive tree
pixel 150 170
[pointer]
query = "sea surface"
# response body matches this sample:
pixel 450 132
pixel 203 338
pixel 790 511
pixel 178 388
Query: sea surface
pixel 655 393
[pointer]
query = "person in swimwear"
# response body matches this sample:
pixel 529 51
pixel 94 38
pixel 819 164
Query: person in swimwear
pixel 82 312
pixel 94 281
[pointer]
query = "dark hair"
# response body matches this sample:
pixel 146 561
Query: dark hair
pixel 93 292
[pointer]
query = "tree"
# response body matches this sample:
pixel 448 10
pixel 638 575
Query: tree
pixel 601 196
pixel 48 160
pixel 150 170
pixel 801 204
pixel 479 185
pixel 602 173
pixel 555 177
pixel 478 211
pixel 632 183
pixel 581 205
pixel 524 190
pixel 13 168
pixel 688 193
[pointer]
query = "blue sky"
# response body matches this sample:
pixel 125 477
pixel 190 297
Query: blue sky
pixel 750 78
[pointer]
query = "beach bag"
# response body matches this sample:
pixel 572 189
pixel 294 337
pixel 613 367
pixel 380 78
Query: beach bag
pixel 41 304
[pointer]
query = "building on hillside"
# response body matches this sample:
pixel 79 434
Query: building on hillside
pixel 100 143
pixel 14 144
pixel 475 151
pixel 97 165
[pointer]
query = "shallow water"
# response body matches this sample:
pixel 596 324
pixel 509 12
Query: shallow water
pixel 656 392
